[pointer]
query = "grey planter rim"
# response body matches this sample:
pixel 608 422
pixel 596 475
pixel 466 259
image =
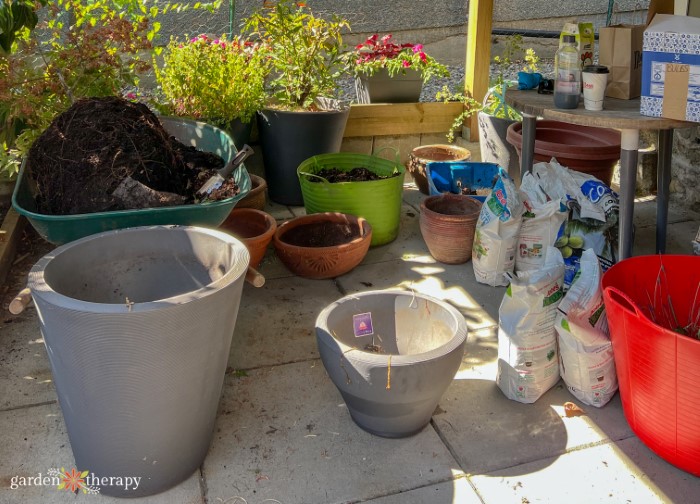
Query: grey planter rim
pixel 42 289
pixel 397 360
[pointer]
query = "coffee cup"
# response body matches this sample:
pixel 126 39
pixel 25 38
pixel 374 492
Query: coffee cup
pixel 595 79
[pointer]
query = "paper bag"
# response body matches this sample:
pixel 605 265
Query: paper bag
pixel 620 49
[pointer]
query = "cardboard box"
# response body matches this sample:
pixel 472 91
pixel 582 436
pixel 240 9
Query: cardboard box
pixel 671 68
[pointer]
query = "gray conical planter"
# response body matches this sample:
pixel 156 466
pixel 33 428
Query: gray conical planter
pixel 288 138
pixel 392 393
pixel 404 87
pixel 494 146
pixel 138 325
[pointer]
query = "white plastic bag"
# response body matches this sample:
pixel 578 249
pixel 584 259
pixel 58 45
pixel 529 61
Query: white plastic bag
pixel 594 214
pixel 586 355
pixel 493 252
pixel 543 222
pixel 528 364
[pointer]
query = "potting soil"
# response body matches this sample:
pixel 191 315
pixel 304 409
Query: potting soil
pixel 358 174
pixel 89 150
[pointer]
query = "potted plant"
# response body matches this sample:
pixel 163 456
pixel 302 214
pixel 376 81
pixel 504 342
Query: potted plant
pixel 386 72
pixel 494 114
pixel 304 118
pixel 219 81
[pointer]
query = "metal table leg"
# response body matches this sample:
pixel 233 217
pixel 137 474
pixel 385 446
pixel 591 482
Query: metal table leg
pixel 527 155
pixel 628 183
pixel 663 178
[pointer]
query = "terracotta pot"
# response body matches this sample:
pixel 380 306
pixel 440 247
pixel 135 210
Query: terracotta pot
pixel 582 148
pixel 420 156
pixel 256 197
pixel 254 228
pixel 323 245
pixel 447 223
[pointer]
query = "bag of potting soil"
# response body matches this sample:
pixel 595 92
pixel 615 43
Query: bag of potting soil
pixel 528 364
pixel 493 252
pixel 593 215
pixel 585 352
pixel 543 223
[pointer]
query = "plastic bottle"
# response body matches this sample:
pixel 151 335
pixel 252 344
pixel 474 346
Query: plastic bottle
pixel 567 88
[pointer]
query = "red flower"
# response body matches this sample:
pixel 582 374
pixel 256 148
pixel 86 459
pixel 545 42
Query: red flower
pixel 406 63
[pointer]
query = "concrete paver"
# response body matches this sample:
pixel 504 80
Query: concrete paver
pixel 605 473
pixel 284 433
pixel 455 491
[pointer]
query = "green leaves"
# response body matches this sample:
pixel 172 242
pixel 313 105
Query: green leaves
pixel 305 52
pixel 15 16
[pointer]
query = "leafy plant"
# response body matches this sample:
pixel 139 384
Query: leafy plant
pixel 86 48
pixel 305 53
pixel 471 106
pixel 380 53
pixel 214 79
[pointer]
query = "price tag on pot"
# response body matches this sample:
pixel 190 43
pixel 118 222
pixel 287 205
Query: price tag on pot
pixel 362 324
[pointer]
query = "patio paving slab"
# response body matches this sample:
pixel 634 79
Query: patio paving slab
pixel 284 433
pixel 275 323
pixel 615 473
pixel 487 432
pixel 34 440
pixel 458 491
pixel 25 373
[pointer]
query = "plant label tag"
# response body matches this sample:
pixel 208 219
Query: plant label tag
pixel 362 324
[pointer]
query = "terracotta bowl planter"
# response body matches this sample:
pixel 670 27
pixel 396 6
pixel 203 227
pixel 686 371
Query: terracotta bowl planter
pixel 448 223
pixel 254 228
pixel 256 197
pixel 391 354
pixel 420 156
pixel 323 245
pixel 582 148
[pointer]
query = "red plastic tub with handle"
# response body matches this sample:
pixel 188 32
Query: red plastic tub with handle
pixel 658 368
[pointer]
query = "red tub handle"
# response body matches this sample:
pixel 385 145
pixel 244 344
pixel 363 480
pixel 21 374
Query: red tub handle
pixel 623 300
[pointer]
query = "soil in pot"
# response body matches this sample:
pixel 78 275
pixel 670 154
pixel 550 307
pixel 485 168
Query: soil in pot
pixel 322 234
pixel 358 174
pixel 106 141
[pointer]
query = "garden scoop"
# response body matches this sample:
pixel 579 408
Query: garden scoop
pixel 215 181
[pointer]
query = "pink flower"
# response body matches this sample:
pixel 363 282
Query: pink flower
pixel 417 48
pixel 131 96
pixel 385 38
pixel 406 63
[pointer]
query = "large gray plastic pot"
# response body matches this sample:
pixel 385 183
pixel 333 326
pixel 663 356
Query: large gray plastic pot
pixel 391 393
pixel 138 325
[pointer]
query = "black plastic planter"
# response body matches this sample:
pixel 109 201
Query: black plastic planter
pixel 288 138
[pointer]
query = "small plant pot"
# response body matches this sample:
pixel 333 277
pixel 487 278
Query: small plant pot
pixel 256 197
pixel 420 156
pixel 324 245
pixel 391 354
pixel 254 228
pixel 448 223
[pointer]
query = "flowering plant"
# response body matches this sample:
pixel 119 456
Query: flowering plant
pixel 377 53
pixel 213 79
pixel 304 50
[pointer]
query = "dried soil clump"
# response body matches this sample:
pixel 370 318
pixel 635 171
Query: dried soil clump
pixel 90 149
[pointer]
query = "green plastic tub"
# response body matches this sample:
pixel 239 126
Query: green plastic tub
pixel 378 201
pixel 59 229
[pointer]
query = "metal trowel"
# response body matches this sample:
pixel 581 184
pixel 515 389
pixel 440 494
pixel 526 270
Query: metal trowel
pixel 215 181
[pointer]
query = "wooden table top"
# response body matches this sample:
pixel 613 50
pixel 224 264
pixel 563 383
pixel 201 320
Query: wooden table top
pixel 618 114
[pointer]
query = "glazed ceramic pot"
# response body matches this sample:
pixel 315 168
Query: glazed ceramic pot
pixel 256 197
pixel 420 156
pixel 447 223
pixel 391 354
pixel 323 245
pixel 254 228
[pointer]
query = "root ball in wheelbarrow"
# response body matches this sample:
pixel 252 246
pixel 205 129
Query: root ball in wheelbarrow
pixel 106 154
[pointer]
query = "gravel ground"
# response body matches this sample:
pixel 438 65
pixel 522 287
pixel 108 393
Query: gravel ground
pixel 454 82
